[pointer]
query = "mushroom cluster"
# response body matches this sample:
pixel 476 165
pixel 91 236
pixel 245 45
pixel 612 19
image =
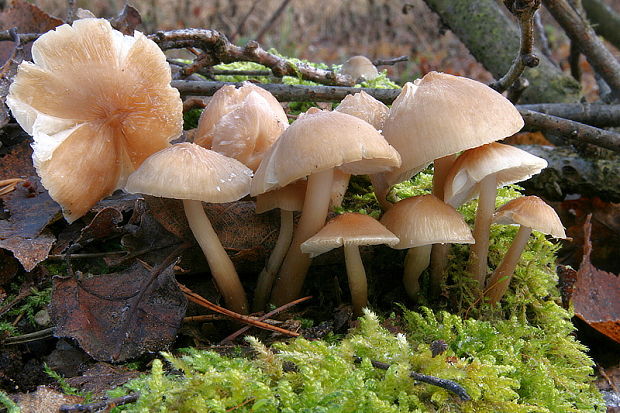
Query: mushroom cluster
pixel 102 113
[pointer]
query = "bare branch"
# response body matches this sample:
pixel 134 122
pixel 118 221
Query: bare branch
pixel 390 62
pixel 219 50
pixel 593 114
pixel 23 37
pixel 276 14
pixel 524 11
pixel 580 33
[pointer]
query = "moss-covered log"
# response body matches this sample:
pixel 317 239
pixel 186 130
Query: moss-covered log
pixel 493 39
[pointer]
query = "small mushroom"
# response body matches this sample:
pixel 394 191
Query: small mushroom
pixel 97 103
pixel 530 213
pixel 359 68
pixel 419 222
pixel 481 171
pixel 193 174
pixel 351 230
pixel 313 146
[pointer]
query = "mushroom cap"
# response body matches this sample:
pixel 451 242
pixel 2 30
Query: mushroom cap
pixel 509 164
pixel 532 212
pixel 289 198
pixel 425 219
pixel 359 67
pixel 363 106
pixel 320 141
pixel 97 103
pixel 348 229
pixel 440 115
pixel 189 171
pixel 241 123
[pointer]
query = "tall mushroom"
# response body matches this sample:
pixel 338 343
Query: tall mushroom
pixel 419 222
pixel 530 213
pixel 481 171
pixel 313 146
pixel 351 230
pixel 97 104
pixel 193 174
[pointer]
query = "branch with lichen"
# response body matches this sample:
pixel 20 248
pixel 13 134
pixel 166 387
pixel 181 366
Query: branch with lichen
pixel 524 11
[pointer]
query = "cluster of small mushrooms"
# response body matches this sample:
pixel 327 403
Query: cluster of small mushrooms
pixel 101 110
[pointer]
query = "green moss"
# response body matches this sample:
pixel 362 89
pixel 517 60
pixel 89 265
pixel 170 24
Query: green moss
pixel 190 119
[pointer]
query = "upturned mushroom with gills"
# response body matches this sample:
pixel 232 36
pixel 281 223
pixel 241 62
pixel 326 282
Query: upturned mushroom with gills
pixel 530 213
pixel 351 230
pixel 313 146
pixel 193 174
pixel 97 103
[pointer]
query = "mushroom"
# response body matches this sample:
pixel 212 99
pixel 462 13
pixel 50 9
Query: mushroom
pixel 288 199
pixel 314 145
pixel 419 222
pixel 359 68
pixel 530 213
pixel 97 103
pixel 351 230
pixel 241 123
pixel 481 171
pixel 193 174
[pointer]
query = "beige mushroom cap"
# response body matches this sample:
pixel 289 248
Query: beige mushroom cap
pixel 440 115
pixel 425 219
pixel 359 67
pixel 509 164
pixel 532 212
pixel 363 106
pixel 189 171
pixel 289 198
pixel 320 141
pixel 348 229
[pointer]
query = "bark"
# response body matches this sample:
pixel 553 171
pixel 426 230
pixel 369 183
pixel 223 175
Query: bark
pixel 493 39
pixel 605 20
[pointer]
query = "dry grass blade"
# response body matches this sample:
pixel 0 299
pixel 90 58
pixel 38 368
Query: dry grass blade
pixel 8 185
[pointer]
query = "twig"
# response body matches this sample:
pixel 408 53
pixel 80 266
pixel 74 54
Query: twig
pixel 284 307
pixel 524 11
pixel 102 405
pixel 221 50
pixel 581 34
pixel 572 130
pixel 391 61
pixel 274 17
pixel 543 41
pixel 192 296
pixel 27 338
pixel 233 37
pixel 8 185
pixel 449 385
pixel 70 11
pixel 593 114
pixel 23 37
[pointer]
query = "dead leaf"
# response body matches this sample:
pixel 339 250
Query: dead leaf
pixel 7 73
pixel 596 295
pixel 45 400
pixel 127 20
pixel 103 225
pixel 102 377
pixel 118 316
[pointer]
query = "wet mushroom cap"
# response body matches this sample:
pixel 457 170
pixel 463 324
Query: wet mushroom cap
pixel 531 212
pixel 423 220
pixel 348 229
pixel 189 171
pixel 363 106
pixel 440 115
pixel 319 141
pixel 507 163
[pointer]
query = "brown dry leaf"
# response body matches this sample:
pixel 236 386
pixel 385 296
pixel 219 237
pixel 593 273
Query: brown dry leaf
pixel 103 225
pixel 102 377
pixel 45 400
pixel 7 73
pixel 118 316
pixel 596 295
pixel 127 20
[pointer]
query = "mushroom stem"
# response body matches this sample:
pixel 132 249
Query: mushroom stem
pixel 416 261
pixel 313 215
pixel 357 278
pixel 381 189
pixel 482 227
pixel 498 283
pixel 222 268
pixel 268 275
pixel 441 168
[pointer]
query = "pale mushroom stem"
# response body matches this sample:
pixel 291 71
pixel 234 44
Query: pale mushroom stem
pixel 296 263
pixel 381 189
pixel 339 187
pixel 499 282
pixel 482 228
pixel 439 252
pixel 268 275
pixel 416 261
pixel 222 268
pixel 357 278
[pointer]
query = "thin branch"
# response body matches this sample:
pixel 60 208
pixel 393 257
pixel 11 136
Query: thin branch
pixel 390 61
pixel 27 338
pixel 103 405
pixel 274 17
pixel 220 50
pixel 449 385
pixel 233 37
pixel 524 12
pixel 580 33
pixel 543 41
pixel 593 114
